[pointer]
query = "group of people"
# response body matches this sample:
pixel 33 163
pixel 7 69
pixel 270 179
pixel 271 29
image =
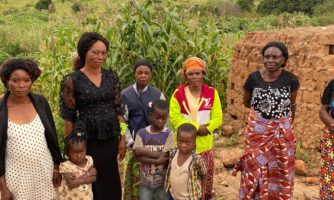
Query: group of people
pixel 104 124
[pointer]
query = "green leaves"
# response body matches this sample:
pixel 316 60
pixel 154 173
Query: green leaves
pixel 162 35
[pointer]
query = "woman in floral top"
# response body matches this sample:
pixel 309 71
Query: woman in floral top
pixel 327 144
pixel 267 166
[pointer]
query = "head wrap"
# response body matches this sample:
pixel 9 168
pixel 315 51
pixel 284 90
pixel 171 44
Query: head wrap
pixel 193 63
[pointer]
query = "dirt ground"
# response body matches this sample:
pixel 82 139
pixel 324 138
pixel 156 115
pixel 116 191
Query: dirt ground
pixel 226 186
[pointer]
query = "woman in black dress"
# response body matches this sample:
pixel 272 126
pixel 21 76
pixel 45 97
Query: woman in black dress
pixel 91 94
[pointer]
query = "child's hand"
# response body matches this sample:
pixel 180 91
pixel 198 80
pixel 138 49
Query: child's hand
pixel 74 183
pixel 68 177
pixel 162 159
pixel 56 179
pixel 92 171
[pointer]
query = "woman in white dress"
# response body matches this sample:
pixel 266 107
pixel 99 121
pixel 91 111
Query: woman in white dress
pixel 29 150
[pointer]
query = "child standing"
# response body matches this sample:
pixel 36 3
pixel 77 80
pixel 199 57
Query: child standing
pixel 186 170
pixel 151 149
pixel 78 172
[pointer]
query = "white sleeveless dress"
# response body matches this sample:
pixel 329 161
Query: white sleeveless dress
pixel 29 165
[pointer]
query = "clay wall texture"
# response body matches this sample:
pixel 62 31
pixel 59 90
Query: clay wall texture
pixel 310 58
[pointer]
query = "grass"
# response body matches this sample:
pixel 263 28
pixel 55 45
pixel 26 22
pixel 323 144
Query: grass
pixel 301 154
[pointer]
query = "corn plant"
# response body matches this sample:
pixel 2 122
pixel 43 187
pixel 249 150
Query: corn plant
pixel 166 39
pixel 165 34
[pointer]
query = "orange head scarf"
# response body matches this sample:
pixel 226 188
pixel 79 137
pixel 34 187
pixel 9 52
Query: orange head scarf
pixel 193 63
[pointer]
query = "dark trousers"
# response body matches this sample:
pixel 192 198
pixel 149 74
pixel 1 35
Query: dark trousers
pixel 108 182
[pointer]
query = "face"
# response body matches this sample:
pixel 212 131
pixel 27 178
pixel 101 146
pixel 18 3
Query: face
pixel 77 153
pixel 143 75
pixel 96 55
pixel 19 83
pixel 158 118
pixel 186 142
pixel 195 77
pixel 273 59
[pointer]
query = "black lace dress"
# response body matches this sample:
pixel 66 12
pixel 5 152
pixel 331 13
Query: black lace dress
pixel 98 108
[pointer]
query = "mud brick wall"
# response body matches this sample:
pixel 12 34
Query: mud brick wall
pixel 311 58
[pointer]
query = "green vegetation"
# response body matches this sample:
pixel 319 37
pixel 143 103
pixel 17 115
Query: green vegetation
pixel 301 154
pixel 166 32
pixel 324 12
pixel 246 5
pixel 76 7
pixel 290 6
pixel 232 141
pixel 43 4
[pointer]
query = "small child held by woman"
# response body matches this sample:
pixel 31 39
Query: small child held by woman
pixel 186 170
pixel 78 171
pixel 151 149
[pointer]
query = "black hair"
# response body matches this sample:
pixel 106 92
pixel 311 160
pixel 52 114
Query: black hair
pixel 144 63
pixel 187 128
pixel 159 104
pixel 78 135
pixel 28 65
pixel 281 46
pixel 85 42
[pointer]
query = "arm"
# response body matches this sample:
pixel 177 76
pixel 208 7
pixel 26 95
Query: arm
pixel 129 140
pixel 162 159
pixel 325 117
pixel 53 145
pixel 293 104
pixel 176 117
pixel 247 99
pixel 5 193
pixel 326 100
pixel 117 102
pixel 68 127
pixel 122 143
pixel 84 179
pixel 87 178
pixel 248 89
pixel 201 168
pixel 67 104
pixel 143 155
pixel 216 117
pixel 142 152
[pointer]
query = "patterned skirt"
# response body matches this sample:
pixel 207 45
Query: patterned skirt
pixel 131 177
pixel 208 158
pixel 268 164
pixel 327 166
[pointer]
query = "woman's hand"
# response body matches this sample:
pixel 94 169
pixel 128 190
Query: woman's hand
pixel 121 148
pixel 56 179
pixel 202 130
pixel 6 195
pixel 331 127
pixel 56 176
